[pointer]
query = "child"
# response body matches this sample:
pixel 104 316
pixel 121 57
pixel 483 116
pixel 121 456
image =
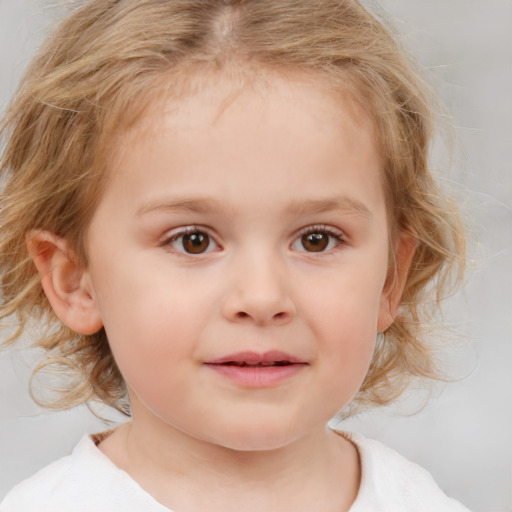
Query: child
pixel 221 213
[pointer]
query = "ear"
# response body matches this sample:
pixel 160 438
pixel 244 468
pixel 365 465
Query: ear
pixel 396 280
pixel 66 284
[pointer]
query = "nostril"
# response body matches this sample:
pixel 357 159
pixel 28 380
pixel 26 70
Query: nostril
pixel 242 315
pixel 280 316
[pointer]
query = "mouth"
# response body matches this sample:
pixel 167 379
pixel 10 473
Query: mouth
pixel 257 360
pixel 254 370
pixel 244 364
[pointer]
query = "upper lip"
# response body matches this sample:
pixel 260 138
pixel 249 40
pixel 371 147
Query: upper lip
pixel 253 358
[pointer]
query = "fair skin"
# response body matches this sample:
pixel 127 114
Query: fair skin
pixel 238 261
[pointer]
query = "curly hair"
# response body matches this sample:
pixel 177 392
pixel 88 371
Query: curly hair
pixel 98 72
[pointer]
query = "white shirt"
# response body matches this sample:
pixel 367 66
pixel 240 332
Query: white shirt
pixel 87 481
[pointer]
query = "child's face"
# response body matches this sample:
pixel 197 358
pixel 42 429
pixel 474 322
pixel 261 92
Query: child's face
pixel 251 228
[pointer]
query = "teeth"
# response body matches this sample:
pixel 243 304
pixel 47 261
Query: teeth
pixel 256 365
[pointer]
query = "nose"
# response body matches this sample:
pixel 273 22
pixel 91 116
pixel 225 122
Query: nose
pixel 259 292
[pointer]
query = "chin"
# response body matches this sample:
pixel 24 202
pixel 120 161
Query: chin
pixel 257 438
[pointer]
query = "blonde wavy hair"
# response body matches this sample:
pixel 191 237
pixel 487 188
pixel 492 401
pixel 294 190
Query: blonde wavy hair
pixel 98 72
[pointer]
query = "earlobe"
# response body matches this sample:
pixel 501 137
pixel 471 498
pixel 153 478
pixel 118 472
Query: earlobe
pixel 65 283
pixel 395 284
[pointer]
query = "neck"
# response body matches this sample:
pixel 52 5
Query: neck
pixel 319 471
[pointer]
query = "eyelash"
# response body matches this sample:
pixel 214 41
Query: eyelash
pixel 173 237
pixel 332 233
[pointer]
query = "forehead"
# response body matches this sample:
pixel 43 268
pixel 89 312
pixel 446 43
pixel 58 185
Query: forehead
pixel 199 102
pixel 280 132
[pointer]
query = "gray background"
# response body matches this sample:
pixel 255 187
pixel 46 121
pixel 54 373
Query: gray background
pixel 464 435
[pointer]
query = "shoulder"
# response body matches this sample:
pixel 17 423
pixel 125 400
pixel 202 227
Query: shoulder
pixel 29 494
pixel 390 480
pixel 84 481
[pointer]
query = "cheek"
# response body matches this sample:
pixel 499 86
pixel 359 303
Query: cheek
pixel 153 346
pixel 349 349
pixel 343 314
pixel 345 303
pixel 150 323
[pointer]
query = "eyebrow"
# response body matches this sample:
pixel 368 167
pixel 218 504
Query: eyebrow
pixel 298 207
pixel 342 203
pixel 196 205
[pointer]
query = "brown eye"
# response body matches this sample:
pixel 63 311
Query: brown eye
pixel 195 243
pixel 190 241
pixel 318 239
pixel 315 242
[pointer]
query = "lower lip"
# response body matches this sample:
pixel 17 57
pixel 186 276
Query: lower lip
pixel 257 376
